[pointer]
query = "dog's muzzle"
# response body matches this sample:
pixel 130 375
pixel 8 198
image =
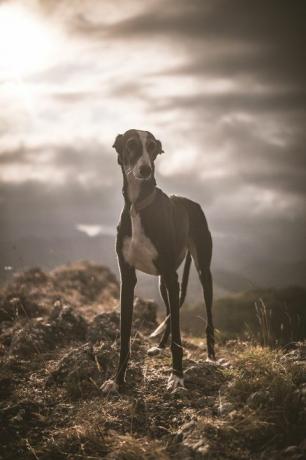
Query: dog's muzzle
pixel 145 172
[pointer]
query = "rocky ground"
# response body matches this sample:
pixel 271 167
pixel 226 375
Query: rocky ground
pixel 59 343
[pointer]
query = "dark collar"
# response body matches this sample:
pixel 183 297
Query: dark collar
pixel 144 203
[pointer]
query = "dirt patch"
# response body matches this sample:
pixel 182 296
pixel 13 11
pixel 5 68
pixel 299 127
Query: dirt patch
pixel 42 334
pixel 63 342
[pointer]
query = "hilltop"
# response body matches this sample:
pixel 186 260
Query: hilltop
pixel 59 342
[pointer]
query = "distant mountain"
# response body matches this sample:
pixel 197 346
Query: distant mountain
pixel 267 272
pixel 50 252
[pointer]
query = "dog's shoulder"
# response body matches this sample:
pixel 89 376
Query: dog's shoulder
pixel 124 220
pixel 124 227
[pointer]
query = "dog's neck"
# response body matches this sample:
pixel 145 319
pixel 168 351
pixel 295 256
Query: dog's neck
pixel 135 191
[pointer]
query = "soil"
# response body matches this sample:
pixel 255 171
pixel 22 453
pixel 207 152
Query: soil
pixel 59 337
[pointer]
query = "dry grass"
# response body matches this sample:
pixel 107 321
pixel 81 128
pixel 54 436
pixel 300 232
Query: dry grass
pixel 264 387
pixel 127 447
pixel 251 405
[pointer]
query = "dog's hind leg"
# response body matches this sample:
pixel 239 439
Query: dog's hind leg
pixel 155 350
pixel 176 378
pixel 200 245
pixel 165 325
pixel 206 281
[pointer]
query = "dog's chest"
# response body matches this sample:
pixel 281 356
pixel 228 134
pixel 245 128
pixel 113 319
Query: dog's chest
pixel 138 250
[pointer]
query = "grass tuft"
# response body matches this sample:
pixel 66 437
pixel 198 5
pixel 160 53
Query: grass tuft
pixel 265 389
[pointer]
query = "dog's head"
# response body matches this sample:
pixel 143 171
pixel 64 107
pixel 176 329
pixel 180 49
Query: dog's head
pixel 137 151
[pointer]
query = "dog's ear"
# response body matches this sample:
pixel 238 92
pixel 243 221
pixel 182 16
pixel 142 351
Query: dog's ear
pixel 159 147
pixel 118 146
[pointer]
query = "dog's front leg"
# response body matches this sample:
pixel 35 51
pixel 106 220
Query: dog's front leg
pixel 176 378
pixel 128 283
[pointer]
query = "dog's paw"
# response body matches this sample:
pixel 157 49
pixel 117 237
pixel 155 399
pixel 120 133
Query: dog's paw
pixel 109 386
pixel 175 383
pixel 153 351
pixel 223 362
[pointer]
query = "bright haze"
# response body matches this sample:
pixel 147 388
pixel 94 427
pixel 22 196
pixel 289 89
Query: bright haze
pixel 221 83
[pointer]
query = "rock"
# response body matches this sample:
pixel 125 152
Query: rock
pixel 75 358
pixel 89 280
pixel 34 338
pixel 76 369
pixel 211 400
pixel 65 320
pixel 303 390
pixel 204 450
pixel 201 402
pixel 302 446
pixel 202 374
pixel 258 399
pixel 291 450
pixel 104 327
pixel 298 354
pixel 21 412
pixel 225 408
pixel 12 307
pixel 29 294
pixel 187 426
pixel 34 276
pixel 40 335
pixel 198 444
pixel 21 297
pixel 19 417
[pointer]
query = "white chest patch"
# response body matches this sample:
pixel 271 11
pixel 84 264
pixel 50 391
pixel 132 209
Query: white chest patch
pixel 138 250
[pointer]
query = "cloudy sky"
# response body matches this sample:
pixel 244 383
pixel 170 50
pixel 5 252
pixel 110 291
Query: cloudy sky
pixel 221 83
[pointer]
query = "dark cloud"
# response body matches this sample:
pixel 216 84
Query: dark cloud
pixel 259 42
pixel 266 29
pixel 19 155
pixel 262 162
pixel 13 156
pixel 249 102
pixel 30 209
pixel 268 65
pixel 214 19
pixel 252 130
pixel 131 88
pixel 73 97
pixel 87 159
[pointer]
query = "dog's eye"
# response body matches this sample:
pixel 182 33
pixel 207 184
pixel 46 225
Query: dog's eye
pixel 151 146
pixel 132 145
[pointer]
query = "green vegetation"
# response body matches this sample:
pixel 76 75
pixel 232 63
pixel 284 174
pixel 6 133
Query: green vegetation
pixel 266 316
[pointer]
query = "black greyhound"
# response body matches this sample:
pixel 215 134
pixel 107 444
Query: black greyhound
pixel 156 232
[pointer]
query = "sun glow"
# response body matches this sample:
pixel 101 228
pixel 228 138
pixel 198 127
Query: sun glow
pixel 26 43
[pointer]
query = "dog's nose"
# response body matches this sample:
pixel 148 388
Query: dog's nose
pixel 145 171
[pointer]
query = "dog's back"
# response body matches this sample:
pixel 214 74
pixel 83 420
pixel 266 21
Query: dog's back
pixel 199 236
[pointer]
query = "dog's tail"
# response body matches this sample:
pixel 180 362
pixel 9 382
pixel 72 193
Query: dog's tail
pixel 160 328
pixel 185 279
pixel 183 292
